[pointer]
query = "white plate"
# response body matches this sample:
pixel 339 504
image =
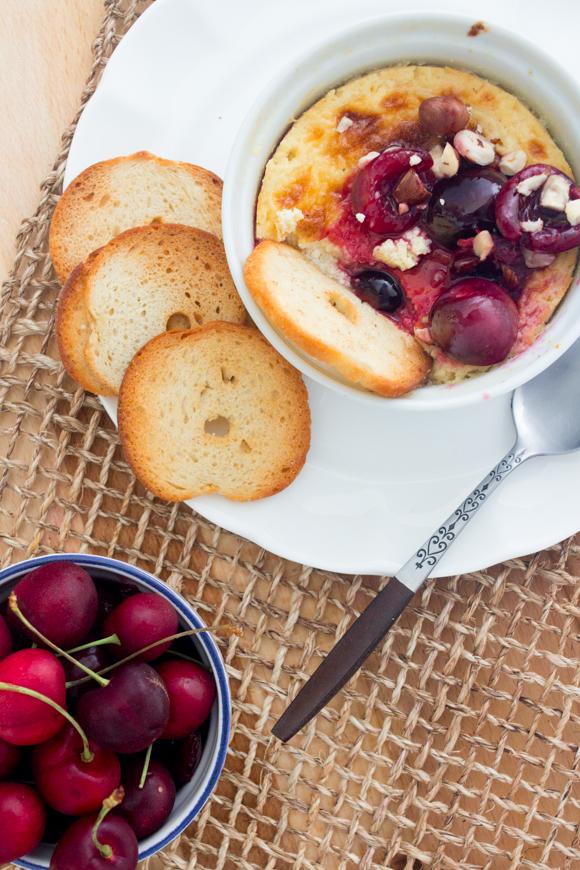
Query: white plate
pixel 374 485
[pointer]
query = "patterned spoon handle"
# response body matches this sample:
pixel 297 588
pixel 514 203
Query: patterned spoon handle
pixel 368 630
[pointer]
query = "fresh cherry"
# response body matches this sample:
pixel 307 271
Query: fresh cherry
pixel 191 691
pixel 380 289
pixel 513 208
pixel 94 657
pixel 56 825
pixel 60 600
pixel 181 757
pixel 5 639
pixel 475 322
pixel 66 782
pixel 9 758
pixel 25 720
pixel 138 622
pixel 146 808
pixel 95 842
pixel 372 190
pixel 110 594
pixel 463 205
pixel 130 712
pixel 22 820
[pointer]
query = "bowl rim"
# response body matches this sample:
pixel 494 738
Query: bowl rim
pixel 540 354
pixel 210 647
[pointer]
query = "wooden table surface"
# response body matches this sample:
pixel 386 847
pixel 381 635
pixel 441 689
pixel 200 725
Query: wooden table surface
pixel 45 60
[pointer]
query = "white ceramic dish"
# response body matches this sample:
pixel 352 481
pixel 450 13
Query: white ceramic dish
pixel 375 485
pixel 191 797
pixel 503 56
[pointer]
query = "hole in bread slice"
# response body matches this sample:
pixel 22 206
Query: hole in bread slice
pixel 178 320
pixel 219 426
pixel 227 378
pixel 245 447
pixel 343 305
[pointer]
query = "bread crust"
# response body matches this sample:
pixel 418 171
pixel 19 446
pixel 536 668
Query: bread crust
pixel 181 379
pixel 90 212
pixel 73 326
pixel 273 271
pixel 173 268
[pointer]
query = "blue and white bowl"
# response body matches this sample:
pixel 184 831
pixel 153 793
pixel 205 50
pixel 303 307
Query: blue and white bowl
pixel 191 797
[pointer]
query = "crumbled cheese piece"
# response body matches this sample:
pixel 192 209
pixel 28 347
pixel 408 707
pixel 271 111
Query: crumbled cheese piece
pixel 530 184
pixel 478 128
pixel 513 162
pixel 287 220
pixel 532 226
pixel 555 193
pixel 414 159
pixel 344 124
pixel 360 216
pixel 367 158
pixel 573 212
pixel 326 256
pixel 403 253
pixel 483 244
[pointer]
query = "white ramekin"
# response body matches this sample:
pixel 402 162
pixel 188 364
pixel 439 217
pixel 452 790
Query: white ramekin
pixel 498 54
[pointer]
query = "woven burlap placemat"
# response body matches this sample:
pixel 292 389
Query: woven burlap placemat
pixel 457 745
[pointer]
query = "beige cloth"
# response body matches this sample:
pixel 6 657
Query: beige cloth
pixel 457 744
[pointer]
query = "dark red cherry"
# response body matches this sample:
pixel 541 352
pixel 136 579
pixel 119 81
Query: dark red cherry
pixel 76 848
pixel 22 820
pixel 191 691
pixel 138 622
pixel 25 720
pixel 94 657
pixel 372 190
pixel 463 205
pixel 380 289
pixel 66 782
pixel 9 758
pixel 475 322
pixel 181 757
pixel 148 808
pixel 60 600
pixel 130 713
pixel 5 639
pixel 56 825
pixel 110 594
pixel 513 208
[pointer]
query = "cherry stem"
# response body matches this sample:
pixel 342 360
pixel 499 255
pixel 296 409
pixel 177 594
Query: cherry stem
pixel 13 602
pixel 145 766
pixel 109 803
pixel 86 754
pixel 111 639
pixel 173 652
pixel 232 628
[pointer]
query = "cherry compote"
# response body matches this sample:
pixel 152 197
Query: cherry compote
pixel 372 194
pixel 475 322
pixel 463 205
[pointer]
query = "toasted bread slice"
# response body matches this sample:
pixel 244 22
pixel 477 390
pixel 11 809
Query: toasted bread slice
pixel 143 282
pixel 331 324
pixel 213 409
pixel 112 196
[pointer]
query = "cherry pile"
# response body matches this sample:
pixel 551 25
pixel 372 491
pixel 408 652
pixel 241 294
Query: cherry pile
pixel 495 217
pixel 102 717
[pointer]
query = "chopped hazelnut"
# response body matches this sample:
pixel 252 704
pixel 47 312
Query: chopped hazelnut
pixel 532 226
pixel 555 193
pixel 528 185
pixel 513 162
pixel 445 161
pixel 573 212
pixel 443 115
pixel 483 244
pixel 410 189
pixel 474 147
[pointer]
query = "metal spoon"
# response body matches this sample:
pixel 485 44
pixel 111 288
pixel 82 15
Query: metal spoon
pixel 546 413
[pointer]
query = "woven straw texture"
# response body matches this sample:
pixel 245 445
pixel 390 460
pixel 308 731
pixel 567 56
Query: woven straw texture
pixel 457 746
